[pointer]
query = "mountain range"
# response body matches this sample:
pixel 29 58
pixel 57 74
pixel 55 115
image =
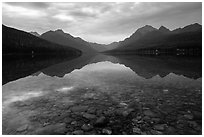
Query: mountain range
pixel 19 43
pixel 145 40
pixel 146 37
pixel 62 38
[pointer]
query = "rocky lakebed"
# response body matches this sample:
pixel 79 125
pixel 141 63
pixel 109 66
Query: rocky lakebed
pixel 89 111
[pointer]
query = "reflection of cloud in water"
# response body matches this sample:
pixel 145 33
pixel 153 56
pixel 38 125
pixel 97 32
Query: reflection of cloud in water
pixel 21 97
pixel 65 89
pixel 106 76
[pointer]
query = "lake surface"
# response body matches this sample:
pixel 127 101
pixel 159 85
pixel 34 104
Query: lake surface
pixel 106 94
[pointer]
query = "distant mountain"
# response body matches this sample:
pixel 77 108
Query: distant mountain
pixel 35 33
pixel 104 47
pixel 189 28
pixel 17 42
pixel 164 29
pixel 98 47
pixel 137 35
pixel 147 37
pixel 60 37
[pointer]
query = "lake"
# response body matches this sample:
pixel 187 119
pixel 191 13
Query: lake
pixel 103 94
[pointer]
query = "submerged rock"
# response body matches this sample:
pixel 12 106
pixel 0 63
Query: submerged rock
pixel 136 130
pixel 22 128
pixel 78 132
pixel 101 121
pixel 87 127
pixel 149 113
pixel 79 108
pixel 127 112
pixel 89 116
pixel 160 127
pixel 188 116
pixel 56 129
pixel 155 132
pixel 107 131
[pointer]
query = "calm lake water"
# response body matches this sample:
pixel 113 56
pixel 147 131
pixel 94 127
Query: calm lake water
pixel 105 94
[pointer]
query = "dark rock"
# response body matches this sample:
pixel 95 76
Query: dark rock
pixel 74 122
pixel 197 115
pixel 188 116
pixel 78 132
pixel 194 125
pixel 127 112
pixel 68 120
pixel 79 108
pixel 101 121
pixel 87 127
pixel 93 132
pixel 99 112
pixel 156 120
pixel 160 127
pixel 91 110
pixel 154 132
pixel 89 116
pixel 146 118
pixel 171 131
pixel 149 113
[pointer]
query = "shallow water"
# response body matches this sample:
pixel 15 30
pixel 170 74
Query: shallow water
pixel 146 95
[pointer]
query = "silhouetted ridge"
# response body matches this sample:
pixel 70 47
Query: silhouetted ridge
pixel 150 41
pixel 17 42
pixel 164 29
pixel 60 37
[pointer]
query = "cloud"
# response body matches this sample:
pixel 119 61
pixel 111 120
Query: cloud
pixel 18 11
pixel 63 17
pixel 99 21
pixel 38 5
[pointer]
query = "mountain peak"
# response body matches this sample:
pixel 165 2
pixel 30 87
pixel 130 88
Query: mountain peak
pixel 35 33
pixel 163 29
pixel 59 31
pixel 191 27
pixel 145 29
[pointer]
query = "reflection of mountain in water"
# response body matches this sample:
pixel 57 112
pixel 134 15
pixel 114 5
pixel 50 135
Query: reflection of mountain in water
pixel 146 67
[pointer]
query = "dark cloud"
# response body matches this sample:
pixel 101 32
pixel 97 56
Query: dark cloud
pixel 99 21
pixel 30 4
pixel 81 14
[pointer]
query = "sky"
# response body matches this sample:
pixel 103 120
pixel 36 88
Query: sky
pixel 101 22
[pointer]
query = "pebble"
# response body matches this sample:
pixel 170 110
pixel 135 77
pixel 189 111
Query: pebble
pixel 160 127
pixel 91 110
pixel 123 104
pixel 136 130
pixel 127 112
pixel 101 120
pixel 56 129
pixel 78 132
pixel 79 108
pixel 22 128
pixel 188 116
pixel 87 127
pixel 156 120
pixel 107 131
pixel 74 122
pixel 146 118
pixel 154 132
pixel 89 116
pixel 149 113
